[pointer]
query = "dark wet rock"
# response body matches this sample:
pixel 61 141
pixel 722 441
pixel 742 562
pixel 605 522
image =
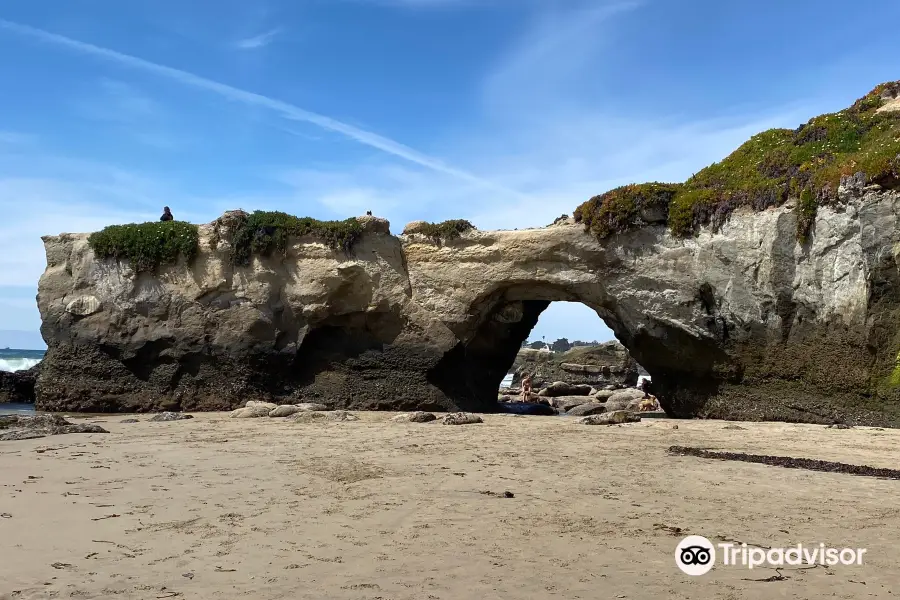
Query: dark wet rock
pixel 528 408
pixel 170 416
pixel 591 408
pixel 17 387
pixel 615 417
pixel 17 427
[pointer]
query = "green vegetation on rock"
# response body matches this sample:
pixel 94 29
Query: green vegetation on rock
pixel 619 209
pixel 146 245
pixel 445 230
pixel 806 215
pixel 807 163
pixel 263 232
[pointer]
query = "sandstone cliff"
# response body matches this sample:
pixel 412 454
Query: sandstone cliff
pixel 769 297
pixel 742 323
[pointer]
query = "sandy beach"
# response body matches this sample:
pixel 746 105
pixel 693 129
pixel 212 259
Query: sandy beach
pixel 214 507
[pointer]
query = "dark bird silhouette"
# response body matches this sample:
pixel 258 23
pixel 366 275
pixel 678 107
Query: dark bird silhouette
pixel 167 214
pixel 369 213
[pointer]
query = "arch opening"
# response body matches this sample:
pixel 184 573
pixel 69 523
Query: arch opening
pixel 684 370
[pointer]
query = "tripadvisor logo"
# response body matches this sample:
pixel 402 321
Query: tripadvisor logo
pixel 696 555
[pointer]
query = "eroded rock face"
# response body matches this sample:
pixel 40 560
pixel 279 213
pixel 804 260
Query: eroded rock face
pixel 18 386
pixel 743 323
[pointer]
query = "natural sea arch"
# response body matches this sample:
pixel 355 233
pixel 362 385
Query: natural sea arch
pixel 473 370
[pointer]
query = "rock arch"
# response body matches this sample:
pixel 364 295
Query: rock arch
pixel 742 322
pixel 503 304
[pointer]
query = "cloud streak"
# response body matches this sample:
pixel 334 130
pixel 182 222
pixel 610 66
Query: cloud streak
pixel 258 41
pixel 285 109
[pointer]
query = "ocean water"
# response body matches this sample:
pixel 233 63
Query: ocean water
pixel 12 359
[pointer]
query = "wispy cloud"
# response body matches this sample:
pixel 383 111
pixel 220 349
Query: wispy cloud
pixel 539 140
pixel 284 109
pixel 15 138
pixel 258 41
pixel 130 112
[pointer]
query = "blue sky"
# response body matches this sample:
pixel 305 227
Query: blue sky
pixel 505 112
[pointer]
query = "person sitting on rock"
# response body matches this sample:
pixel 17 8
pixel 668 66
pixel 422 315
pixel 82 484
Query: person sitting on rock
pixel 526 388
pixel 167 214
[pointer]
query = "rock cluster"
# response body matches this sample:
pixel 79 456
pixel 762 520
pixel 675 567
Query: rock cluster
pixel 254 409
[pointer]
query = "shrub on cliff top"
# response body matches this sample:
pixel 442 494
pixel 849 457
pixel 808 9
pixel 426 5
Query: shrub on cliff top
pixel 620 209
pixel 146 245
pixel 445 230
pixel 263 232
pixel 769 168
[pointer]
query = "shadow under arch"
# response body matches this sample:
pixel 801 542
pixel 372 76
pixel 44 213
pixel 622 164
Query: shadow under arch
pixel 685 370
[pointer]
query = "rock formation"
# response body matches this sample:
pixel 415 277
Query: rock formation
pixel 18 386
pixel 597 366
pixel 740 320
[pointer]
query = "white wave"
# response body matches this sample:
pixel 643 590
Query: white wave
pixel 17 364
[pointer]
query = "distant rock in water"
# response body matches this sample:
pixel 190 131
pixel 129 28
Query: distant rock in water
pixel 18 386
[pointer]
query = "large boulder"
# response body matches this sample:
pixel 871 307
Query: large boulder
pixel 567 402
pixel 592 408
pixel 626 395
pixel 18 386
pixel 253 412
pixel 603 395
pixel 561 388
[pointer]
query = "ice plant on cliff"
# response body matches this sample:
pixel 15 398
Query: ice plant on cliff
pixel 146 245
pixel 807 163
